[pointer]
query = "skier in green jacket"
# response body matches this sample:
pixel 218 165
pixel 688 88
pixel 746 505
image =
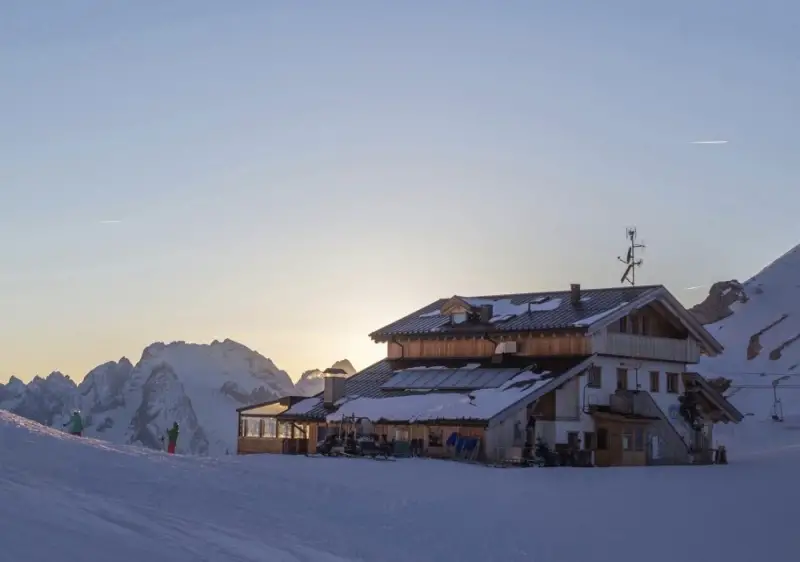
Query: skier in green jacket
pixel 172 436
pixel 75 424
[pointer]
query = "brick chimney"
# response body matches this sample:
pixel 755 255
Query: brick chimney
pixel 575 293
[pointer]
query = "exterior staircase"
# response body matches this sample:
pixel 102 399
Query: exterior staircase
pixel 672 436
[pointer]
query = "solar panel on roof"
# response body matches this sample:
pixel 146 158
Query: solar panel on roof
pixel 415 375
pixel 438 378
pixel 469 377
pixel 460 379
pixel 398 380
pixel 499 379
pixel 485 376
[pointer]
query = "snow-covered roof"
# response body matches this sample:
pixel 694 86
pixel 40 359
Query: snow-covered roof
pixel 517 312
pixel 364 396
pixel 478 405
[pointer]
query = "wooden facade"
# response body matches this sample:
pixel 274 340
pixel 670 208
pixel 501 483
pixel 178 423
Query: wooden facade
pixel 621 441
pixel 644 334
pixel 477 347
pixel 262 431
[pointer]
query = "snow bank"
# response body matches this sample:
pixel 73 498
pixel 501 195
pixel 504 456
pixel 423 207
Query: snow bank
pixel 70 499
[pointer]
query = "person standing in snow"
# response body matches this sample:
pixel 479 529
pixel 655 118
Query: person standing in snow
pixel 172 436
pixel 75 424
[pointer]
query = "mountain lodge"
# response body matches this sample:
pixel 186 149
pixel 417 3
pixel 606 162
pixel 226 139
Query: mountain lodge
pixel 599 375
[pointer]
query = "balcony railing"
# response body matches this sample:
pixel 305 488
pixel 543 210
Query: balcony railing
pixel 646 347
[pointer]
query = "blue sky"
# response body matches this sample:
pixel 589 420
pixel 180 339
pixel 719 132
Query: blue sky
pixel 293 175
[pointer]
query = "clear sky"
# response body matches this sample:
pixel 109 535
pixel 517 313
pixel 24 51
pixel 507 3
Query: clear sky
pixel 293 175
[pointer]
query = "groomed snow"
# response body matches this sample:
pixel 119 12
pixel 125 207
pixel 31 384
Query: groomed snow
pixel 66 498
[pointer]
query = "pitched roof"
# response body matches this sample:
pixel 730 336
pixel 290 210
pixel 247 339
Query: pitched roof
pixel 716 397
pixel 518 312
pixel 367 385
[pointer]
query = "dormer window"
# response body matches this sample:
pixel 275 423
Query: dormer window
pixel 459 317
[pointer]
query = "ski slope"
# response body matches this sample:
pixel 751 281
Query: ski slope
pixel 66 498
pixel 760 330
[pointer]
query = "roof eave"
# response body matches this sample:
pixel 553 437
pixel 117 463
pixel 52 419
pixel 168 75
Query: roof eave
pixel 551 385
pixel 388 337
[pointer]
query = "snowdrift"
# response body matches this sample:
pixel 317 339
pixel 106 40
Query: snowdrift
pixel 66 498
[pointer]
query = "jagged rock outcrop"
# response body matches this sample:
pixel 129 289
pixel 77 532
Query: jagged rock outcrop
pixel 717 305
pixel 199 386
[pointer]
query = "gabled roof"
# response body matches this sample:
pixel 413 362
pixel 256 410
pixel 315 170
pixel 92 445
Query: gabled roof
pixel 716 398
pixel 521 312
pixel 531 312
pixel 673 306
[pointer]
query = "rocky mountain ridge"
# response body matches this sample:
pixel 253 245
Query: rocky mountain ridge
pixel 198 385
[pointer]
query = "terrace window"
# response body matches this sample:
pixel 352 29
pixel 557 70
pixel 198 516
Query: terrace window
pixel 270 428
pixel 284 430
pixel 252 427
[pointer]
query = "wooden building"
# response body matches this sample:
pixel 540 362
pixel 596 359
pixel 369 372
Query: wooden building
pixel 604 371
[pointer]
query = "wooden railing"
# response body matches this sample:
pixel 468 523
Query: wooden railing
pixel 646 347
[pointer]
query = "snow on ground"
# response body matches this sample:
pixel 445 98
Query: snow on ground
pixel 66 498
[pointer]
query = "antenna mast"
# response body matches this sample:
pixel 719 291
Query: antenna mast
pixel 630 259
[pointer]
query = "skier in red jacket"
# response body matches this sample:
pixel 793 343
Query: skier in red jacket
pixel 172 436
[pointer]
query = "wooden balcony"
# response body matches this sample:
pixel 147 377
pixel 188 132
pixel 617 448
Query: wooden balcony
pixel 646 347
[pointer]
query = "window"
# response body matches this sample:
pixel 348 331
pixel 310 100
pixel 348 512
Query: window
pixel 627 441
pixel 594 378
pixel 672 383
pixel 638 441
pixel 574 439
pixel 435 438
pixel 623 325
pixel 301 431
pixel 284 430
pixel 400 434
pixel 645 327
pixel 270 427
pixel 655 377
pixel 589 441
pixel 602 439
pixel 622 379
pixel 252 427
pixel 459 317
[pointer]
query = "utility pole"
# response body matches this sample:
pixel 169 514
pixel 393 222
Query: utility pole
pixel 630 259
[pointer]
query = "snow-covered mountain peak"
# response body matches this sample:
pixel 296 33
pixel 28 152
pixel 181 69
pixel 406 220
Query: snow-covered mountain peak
pixel 758 323
pixel 198 385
